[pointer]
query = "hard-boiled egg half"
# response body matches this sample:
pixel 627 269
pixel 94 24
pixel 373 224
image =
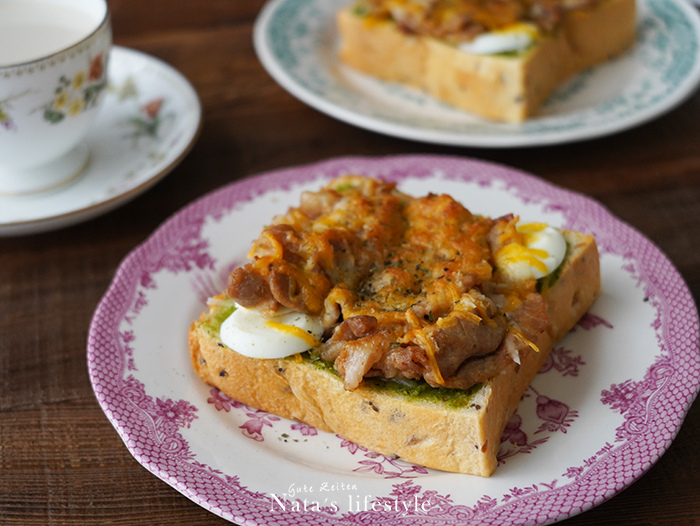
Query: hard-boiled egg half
pixel 516 37
pixel 288 333
pixel 538 250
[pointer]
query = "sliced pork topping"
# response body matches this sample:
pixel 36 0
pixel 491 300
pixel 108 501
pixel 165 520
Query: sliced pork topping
pixel 461 335
pixel 356 357
pixel 404 287
pixel 250 289
pixel 401 362
pixel 334 238
pixel 458 21
pixel 481 368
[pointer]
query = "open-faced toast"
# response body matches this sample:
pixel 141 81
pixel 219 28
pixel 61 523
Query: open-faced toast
pixel 507 86
pixel 442 416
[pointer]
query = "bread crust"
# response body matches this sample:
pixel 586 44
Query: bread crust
pixel 497 87
pixel 428 433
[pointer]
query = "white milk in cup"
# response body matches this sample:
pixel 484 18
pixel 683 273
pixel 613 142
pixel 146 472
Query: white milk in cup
pixel 53 78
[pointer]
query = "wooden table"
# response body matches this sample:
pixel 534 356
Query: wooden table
pixel 61 462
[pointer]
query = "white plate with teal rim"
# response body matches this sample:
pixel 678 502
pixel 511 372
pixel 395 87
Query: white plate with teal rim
pixel 150 119
pixel 606 405
pixel 297 43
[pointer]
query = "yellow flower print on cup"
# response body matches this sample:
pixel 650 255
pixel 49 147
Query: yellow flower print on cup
pixel 77 94
pixel 79 80
pixel 60 101
pixel 75 107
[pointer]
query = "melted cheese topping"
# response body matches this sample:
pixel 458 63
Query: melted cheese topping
pixel 417 266
pixel 442 13
pixel 477 26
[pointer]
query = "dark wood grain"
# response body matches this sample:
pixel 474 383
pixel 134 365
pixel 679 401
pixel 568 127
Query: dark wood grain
pixel 61 461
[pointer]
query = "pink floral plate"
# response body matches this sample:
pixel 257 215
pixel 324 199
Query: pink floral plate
pixel 601 411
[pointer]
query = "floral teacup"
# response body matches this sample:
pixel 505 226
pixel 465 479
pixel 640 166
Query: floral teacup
pixel 48 102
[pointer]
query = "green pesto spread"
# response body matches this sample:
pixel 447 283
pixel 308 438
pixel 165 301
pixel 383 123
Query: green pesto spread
pixel 419 389
pixel 219 311
pixel 360 9
pixel 410 389
pixel 548 281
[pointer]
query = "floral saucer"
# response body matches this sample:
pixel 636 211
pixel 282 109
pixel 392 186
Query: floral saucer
pixel 150 120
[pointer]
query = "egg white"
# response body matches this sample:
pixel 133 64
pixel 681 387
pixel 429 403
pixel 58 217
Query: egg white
pixel 515 38
pixel 547 245
pixel 249 334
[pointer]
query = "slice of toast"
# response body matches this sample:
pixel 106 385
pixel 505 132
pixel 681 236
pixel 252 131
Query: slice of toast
pixel 446 429
pixel 502 87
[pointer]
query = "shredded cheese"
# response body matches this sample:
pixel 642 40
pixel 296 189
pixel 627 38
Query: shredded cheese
pixel 515 332
pixel 295 331
pixel 429 347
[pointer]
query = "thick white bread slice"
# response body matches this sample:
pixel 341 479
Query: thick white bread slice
pixel 498 87
pixel 426 432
